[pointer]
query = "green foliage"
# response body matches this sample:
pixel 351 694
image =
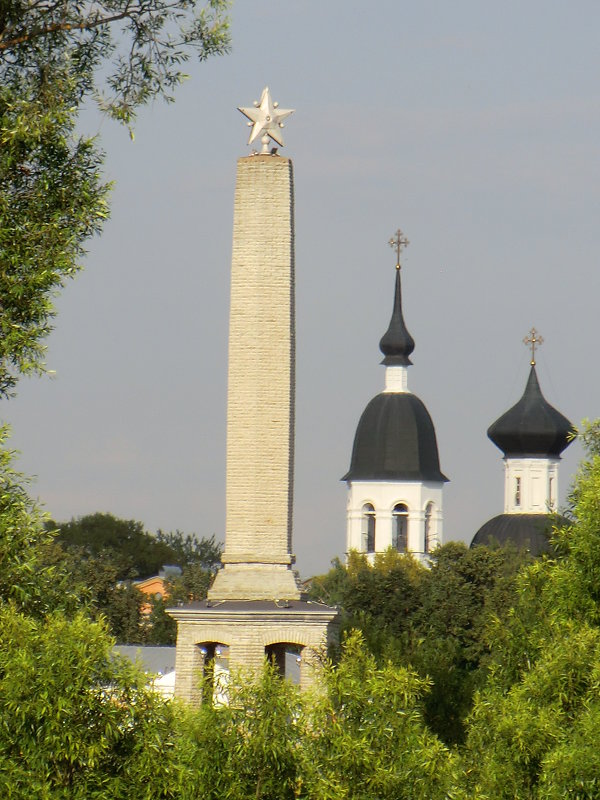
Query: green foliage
pixel 366 734
pixel 192 585
pixel 534 725
pixel 52 198
pixel 158 628
pixel 94 579
pixel 26 580
pixel 188 550
pixel 433 620
pixel 75 722
pixel 380 599
pixel 144 43
pixel 359 735
pixel 132 551
pixel 518 737
pixel 199 559
pixel 250 748
pixel 102 555
pixel 51 201
pixel 464 589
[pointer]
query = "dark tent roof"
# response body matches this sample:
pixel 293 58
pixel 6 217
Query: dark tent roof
pixel 532 427
pixel 395 440
pixel 531 531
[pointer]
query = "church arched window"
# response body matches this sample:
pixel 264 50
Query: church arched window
pixel 400 528
pixel 368 528
pixel 429 536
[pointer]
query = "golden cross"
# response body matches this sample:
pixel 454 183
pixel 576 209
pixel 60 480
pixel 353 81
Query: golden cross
pixel 398 242
pixel 533 340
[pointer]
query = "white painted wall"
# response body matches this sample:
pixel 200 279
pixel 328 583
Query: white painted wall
pixel 530 485
pixel 383 496
pixel 396 380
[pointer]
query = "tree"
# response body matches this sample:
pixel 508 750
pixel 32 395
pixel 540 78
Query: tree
pixel 433 620
pixel 379 598
pixel 146 42
pixel 250 748
pixel 462 591
pixel 359 736
pixel 27 581
pixel 534 727
pixel 52 198
pixel 103 555
pixel 133 552
pixel 76 721
pixel 188 550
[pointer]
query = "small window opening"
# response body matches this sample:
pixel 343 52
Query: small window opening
pixel 368 528
pixel 429 538
pixel 400 528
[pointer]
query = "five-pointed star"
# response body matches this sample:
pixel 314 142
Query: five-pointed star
pixel 266 117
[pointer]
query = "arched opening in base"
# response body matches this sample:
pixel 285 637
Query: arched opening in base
pixel 215 672
pixel 286 657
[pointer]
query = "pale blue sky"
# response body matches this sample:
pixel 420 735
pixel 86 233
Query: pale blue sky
pixel 474 126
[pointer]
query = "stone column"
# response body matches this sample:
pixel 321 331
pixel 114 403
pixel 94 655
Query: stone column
pixel 260 401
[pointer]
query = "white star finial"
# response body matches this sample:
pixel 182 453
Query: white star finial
pixel 266 120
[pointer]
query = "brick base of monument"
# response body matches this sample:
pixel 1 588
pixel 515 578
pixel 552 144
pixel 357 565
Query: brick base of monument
pixel 249 631
pixel 254 581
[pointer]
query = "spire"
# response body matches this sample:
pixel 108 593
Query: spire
pixel 397 344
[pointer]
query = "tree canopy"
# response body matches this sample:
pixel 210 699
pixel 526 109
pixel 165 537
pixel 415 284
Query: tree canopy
pixel 535 720
pixel 522 645
pixel 432 619
pixel 54 54
pixel 101 557
pixel 143 43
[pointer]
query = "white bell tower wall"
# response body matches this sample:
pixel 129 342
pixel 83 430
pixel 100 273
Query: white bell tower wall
pixel 530 485
pixel 423 502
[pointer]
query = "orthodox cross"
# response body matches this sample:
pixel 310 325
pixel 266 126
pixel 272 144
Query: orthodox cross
pixel 533 340
pixel 398 242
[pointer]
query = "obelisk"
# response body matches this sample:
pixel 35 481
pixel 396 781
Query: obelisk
pixel 254 609
pixel 257 562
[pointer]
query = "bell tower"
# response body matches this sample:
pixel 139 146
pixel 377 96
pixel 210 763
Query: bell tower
pixel 531 435
pixel 394 481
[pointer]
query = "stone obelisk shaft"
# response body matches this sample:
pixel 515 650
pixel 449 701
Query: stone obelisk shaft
pixel 260 401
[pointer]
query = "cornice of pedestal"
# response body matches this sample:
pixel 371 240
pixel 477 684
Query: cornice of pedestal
pixel 255 612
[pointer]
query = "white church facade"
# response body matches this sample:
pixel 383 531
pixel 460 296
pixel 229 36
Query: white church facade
pixel 395 486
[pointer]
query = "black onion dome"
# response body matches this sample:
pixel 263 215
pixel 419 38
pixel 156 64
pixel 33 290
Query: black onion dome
pixel 532 427
pixel 395 440
pixel 529 531
pixel 396 343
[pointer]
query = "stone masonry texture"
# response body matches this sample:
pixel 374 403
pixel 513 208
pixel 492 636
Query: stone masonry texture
pixel 257 562
pixel 260 399
pixel 247 638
